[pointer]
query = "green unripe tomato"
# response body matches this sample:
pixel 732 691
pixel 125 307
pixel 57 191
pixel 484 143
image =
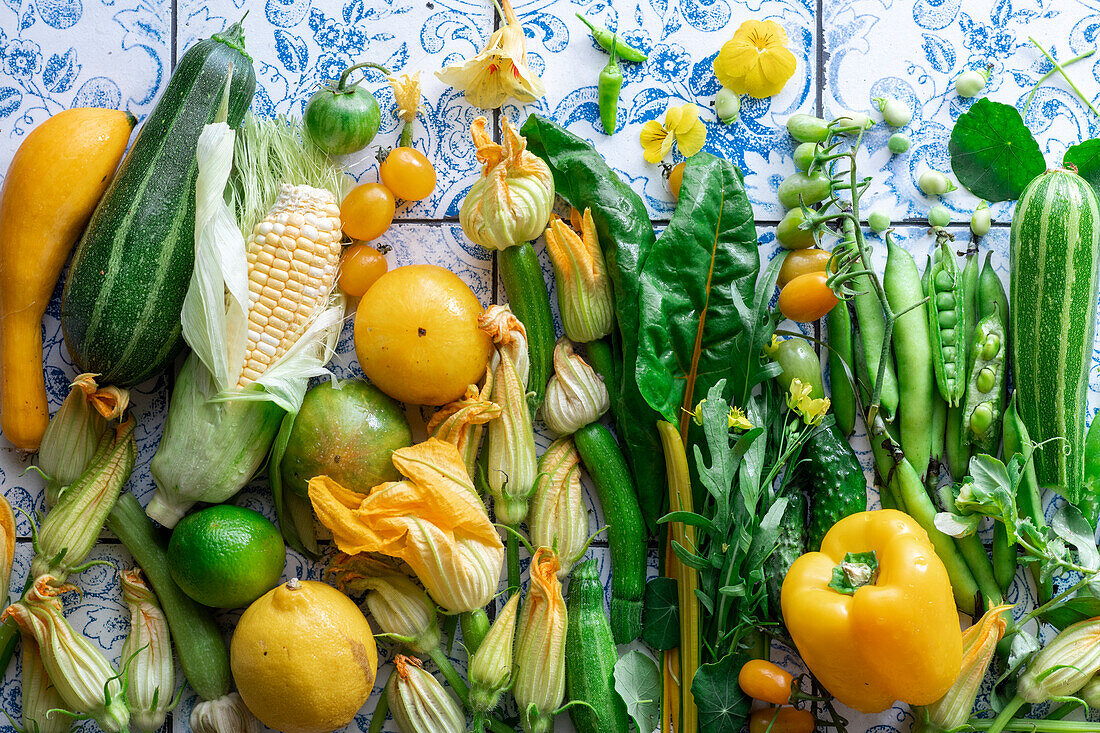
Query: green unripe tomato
pixel 939 216
pixel 804 156
pixel 894 111
pixel 804 188
pixel 898 143
pixel 799 361
pixel 934 183
pixel 857 120
pixel 727 105
pixel 971 83
pixel 790 235
pixel 879 221
pixel 807 128
pixel 342 119
pixel 981 220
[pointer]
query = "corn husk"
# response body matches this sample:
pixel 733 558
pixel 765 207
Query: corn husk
pixel 217 435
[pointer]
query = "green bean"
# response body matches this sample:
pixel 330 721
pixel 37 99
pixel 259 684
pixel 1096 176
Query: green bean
pixel 939 405
pixel 608 39
pixel 841 373
pixel 913 349
pixel 1029 498
pixel 607 90
pixel 872 330
pixel 1004 557
pixel 948 317
pixel 956 446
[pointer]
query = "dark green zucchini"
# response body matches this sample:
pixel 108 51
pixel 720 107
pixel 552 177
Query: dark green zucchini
pixel 120 310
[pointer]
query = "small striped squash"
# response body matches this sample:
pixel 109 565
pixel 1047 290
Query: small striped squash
pixel 1055 243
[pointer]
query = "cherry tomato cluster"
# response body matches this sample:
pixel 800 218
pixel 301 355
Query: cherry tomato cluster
pixel 367 213
pixel 764 681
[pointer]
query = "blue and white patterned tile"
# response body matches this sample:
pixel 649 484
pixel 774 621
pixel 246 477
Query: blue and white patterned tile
pixel 298 46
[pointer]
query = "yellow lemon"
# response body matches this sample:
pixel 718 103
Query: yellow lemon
pixel 304 658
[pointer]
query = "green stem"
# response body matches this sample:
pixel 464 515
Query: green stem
pixel 1062 711
pixel 475 625
pixel 341 85
pixel 512 545
pixel 451 675
pixel 499 727
pixel 1060 70
pixel 381 709
pixel 1046 606
pixel 406 134
pixel 1029 725
pixel 1005 717
pixel 1051 73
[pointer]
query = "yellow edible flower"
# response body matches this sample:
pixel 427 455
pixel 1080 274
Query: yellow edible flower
pixel 798 391
pixel 539 654
pixel 406 94
pixel 756 60
pixel 682 126
pixel 813 411
pixel 462 422
pixel 738 420
pixel 498 72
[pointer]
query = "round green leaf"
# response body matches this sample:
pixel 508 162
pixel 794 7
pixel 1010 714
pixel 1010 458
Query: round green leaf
pixel 993 154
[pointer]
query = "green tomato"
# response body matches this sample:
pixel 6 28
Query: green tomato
pixel 790 235
pixel 807 128
pixel 342 119
pixel 971 83
pixel 981 220
pixel 934 183
pixel 898 143
pixel 879 221
pixel 939 216
pixel 804 156
pixel 727 105
pixel 894 111
pixel 804 188
pixel 857 120
pixel 798 361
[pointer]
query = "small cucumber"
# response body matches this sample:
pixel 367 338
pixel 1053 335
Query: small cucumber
pixel 525 286
pixel 792 544
pixel 830 466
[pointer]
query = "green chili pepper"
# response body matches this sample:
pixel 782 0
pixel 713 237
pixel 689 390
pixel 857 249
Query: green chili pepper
pixel 608 88
pixel 609 39
pixel 841 373
pixel 1029 498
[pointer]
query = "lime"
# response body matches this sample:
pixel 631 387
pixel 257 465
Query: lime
pixel 226 556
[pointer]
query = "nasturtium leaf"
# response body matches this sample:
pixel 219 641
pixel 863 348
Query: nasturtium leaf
pixel 723 707
pixel 993 154
pixel 661 614
pixel 638 683
pixel 1085 157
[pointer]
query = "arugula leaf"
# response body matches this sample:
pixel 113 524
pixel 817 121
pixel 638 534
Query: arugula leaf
pixel 661 614
pixel 1085 157
pixel 689 317
pixel 638 683
pixel 723 707
pixel 993 154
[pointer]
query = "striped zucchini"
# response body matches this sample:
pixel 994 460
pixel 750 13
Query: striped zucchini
pixel 120 310
pixel 1055 243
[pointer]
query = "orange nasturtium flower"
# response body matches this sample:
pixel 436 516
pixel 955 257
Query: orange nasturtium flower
pixel 756 60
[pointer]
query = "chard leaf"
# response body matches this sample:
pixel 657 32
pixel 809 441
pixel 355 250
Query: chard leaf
pixel 993 154
pixel 690 318
pixel 723 707
pixel 661 614
pixel 638 683
pixel 1085 157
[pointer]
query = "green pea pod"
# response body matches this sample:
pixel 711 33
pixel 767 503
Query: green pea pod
pixel 1090 498
pixel 608 40
pixel 947 321
pixel 939 405
pixel 799 361
pixel 872 331
pixel 983 406
pixel 608 88
pixel 913 349
pixel 1029 498
pixel 992 301
pixel 841 372
pixel 1004 557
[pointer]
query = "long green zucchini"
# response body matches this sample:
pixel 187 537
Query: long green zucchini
pixel 121 306
pixel 1055 245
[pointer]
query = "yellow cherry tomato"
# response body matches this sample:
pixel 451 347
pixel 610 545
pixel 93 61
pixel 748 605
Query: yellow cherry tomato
pixel 806 298
pixel 762 680
pixel 367 211
pixel 360 267
pixel 801 261
pixel 676 179
pixel 787 720
pixel 408 173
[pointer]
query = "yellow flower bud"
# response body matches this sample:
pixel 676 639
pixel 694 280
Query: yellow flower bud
pixel 510 337
pixel 575 395
pixel 491 665
pixel 406 94
pixel 558 518
pixel 147 654
pixel 227 714
pixel 462 422
pixel 39 694
pixel 540 646
pixel 511 202
pixel 419 703
pixel 1063 666
pixel 84 678
pixel 580 274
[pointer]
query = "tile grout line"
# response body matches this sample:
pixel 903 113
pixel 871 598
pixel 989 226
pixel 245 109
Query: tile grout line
pixel 498 138
pixel 819 75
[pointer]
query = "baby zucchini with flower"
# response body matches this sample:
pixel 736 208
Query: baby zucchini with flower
pixel 147 656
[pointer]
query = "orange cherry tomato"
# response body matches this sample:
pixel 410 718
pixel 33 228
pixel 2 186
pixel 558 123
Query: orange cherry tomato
pixel 762 680
pixel 408 173
pixel 360 267
pixel 367 211
pixel 676 179
pixel 787 720
pixel 806 298
pixel 801 261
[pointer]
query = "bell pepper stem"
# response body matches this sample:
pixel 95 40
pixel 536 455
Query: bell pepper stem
pixel 451 675
pixel 1006 715
pixel 341 85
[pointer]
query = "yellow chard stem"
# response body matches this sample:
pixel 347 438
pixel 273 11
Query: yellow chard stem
pixel 687 579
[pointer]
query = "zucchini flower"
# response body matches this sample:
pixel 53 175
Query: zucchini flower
pixel 1064 665
pixel 952 711
pixel 511 202
pixel 433 520
pixel 399 606
pixel 72 528
pixel 580 273
pixel 498 72
pixel 491 665
pixel 461 422
pixel 558 518
pixel 85 680
pixel 227 714
pixel 40 697
pixel 74 435
pixel 147 656
pixel 540 646
pixel 1090 693
pixel 406 95
pixel 575 395
pixel 510 337
pixel 418 702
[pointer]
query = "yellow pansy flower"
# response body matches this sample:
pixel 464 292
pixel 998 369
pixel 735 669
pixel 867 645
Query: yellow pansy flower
pixel 738 420
pixel 682 126
pixel 756 60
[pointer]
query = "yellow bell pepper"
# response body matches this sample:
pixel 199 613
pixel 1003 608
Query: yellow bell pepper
pixel 872 613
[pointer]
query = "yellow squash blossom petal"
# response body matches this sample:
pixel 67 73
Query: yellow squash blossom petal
pixel 406 94
pixel 756 60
